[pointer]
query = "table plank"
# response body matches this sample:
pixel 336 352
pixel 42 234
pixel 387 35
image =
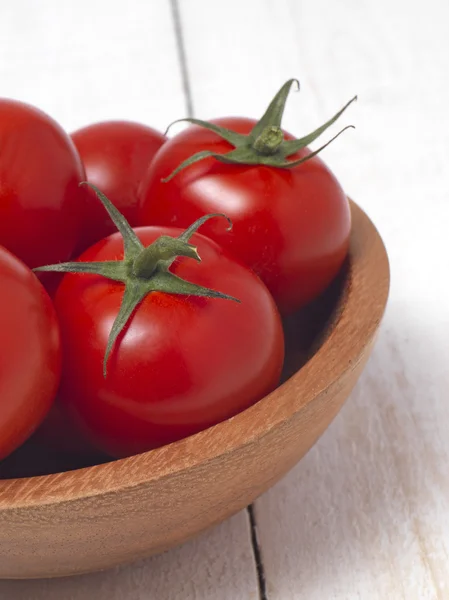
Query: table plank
pixel 365 514
pixel 87 62
pixel 82 66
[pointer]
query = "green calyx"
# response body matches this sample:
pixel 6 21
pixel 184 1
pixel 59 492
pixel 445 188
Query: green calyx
pixel 265 144
pixel 142 270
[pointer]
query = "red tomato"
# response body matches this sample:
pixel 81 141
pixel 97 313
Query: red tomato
pixel 31 357
pixel 116 155
pixel 290 225
pixel 40 200
pixel 182 364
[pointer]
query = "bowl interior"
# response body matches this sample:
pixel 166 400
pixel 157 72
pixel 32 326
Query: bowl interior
pixel 305 331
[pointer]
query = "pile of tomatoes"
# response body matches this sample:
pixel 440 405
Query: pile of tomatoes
pixel 143 279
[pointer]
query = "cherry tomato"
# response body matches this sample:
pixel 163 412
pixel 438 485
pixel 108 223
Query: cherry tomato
pixel 40 198
pixel 290 225
pixel 30 361
pixel 116 155
pixel 181 364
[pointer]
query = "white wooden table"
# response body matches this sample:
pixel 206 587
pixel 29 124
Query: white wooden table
pixel 365 515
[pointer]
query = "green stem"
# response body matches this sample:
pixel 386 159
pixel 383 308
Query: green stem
pixel 265 144
pixel 163 249
pixel 268 142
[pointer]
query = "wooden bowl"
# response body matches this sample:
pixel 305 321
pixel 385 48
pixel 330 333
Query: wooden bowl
pixel 97 517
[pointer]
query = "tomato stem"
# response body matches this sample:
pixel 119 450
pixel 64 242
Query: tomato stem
pixel 162 251
pixel 265 144
pixel 268 142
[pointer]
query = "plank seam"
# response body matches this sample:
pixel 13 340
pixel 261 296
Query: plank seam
pixel 182 55
pixel 257 554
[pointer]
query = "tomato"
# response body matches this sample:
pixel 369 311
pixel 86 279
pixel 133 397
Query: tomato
pixel 116 155
pixel 40 198
pixel 30 360
pixel 152 355
pixel 291 222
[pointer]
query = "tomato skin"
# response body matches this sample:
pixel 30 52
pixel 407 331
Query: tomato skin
pixel 30 362
pixel 116 156
pixel 182 363
pixel 40 197
pixel 290 225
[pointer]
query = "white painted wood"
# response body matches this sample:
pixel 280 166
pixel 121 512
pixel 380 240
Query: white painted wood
pixel 83 62
pixel 366 514
pixel 92 60
pixel 216 566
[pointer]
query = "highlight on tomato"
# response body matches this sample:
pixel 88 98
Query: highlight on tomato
pixel 164 334
pixel 290 214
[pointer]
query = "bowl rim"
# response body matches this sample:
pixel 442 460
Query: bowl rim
pixel 368 257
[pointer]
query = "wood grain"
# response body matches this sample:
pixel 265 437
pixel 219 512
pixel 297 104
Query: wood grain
pixel 109 514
